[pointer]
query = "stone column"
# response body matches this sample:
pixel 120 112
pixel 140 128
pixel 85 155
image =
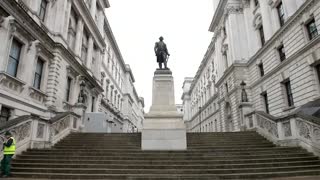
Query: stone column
pixel 5 36
pixel 290 7
pixel 90 53
pixel 266 19
pixel 78 41
pixel 93 8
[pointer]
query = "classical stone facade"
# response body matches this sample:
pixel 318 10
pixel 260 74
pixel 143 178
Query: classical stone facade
pixel 272 47
pixel 61 56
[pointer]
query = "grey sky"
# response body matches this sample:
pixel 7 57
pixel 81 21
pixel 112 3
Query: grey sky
pixel 137 25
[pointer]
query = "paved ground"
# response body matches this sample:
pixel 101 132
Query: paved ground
pixel 284 178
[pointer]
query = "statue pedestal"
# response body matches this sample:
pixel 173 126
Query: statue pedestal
pixel 163 127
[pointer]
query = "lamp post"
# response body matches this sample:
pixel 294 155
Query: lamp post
pixel 200 117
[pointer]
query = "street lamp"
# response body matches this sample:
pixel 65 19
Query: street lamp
pixel 200 117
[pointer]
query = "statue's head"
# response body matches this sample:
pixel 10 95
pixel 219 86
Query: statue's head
pixel 161 38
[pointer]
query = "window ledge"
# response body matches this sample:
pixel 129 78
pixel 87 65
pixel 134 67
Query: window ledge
pixel 288 108
pixel 11 82
pixel 37 94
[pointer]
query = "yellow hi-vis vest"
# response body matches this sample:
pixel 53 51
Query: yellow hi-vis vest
pixel 11 149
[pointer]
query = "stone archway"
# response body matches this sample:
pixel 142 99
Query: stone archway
pixel 228 118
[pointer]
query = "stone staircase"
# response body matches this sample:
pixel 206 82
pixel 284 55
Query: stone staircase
pixel 234 155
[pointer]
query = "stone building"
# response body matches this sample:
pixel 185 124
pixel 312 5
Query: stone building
pixel 273 48
pixel 61 56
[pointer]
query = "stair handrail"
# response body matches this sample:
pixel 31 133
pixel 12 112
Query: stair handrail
pixel 295 129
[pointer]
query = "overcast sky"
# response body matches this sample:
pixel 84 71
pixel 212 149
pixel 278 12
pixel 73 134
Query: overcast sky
pixel 184 24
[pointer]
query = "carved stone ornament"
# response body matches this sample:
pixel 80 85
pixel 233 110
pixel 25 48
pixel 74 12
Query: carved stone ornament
pixel 21 131
pixel 287 129
pixel 304 129
pixel 59 126
pixel 268 125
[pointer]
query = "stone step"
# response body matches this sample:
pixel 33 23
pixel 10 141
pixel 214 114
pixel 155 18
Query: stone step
pixel 138 147
pixel 163 171
pixel 168 166
pixel 172 158
pixel 146 153
pixel 251 175
pixel 275 149
pixel 164 162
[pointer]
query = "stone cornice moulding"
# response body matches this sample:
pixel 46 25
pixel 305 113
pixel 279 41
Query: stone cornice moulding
pixel 113 42
pixel 228 71
pixel 217 15
pixel 207 56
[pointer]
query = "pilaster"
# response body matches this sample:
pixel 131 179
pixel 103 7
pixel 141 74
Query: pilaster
pixel 90 53
pixel 79 34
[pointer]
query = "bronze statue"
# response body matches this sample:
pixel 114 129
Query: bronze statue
pixel 162 53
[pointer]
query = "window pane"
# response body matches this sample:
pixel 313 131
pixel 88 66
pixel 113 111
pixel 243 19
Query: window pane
pixel 14 58
pixel 38 74
pixel 68 89
pixel 43 9
pixel 39 66
pixel 12 67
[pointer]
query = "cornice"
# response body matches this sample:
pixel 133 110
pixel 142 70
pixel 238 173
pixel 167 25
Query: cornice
pixel 113 42
pixel 228 72
pixel 217 15
pixel 203 63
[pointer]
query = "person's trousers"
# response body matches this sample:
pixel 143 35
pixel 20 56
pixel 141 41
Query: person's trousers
pixel 6 164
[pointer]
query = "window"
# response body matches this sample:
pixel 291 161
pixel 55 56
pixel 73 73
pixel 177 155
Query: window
pixel 281 14
pixel 288 92
pixel 84 48
pixel 318 71
pixel 14 58
pixel 92 104
pixel 261 32
pixel 226 85
pixel 256 3
pixel 68 89
pixel 42 9
pixel 261 70
pixel 107 90
pixel 38 74
pixel 282 53
pixel 72 29
pixel 5 114
pixel 264 96
pixel 312 29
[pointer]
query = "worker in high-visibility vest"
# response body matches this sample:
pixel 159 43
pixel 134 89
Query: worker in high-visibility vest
pixel 9 148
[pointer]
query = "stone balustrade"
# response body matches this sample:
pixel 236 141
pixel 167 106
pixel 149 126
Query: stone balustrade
pixel 34 132
pixel 293 130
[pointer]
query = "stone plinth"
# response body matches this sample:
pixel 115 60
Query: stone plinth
pixel 163 127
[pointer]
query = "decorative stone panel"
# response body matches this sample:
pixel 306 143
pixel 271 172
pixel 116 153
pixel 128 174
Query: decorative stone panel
pixel 11 83
pixel 268 125
pixel 286 127
pixel 37 95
